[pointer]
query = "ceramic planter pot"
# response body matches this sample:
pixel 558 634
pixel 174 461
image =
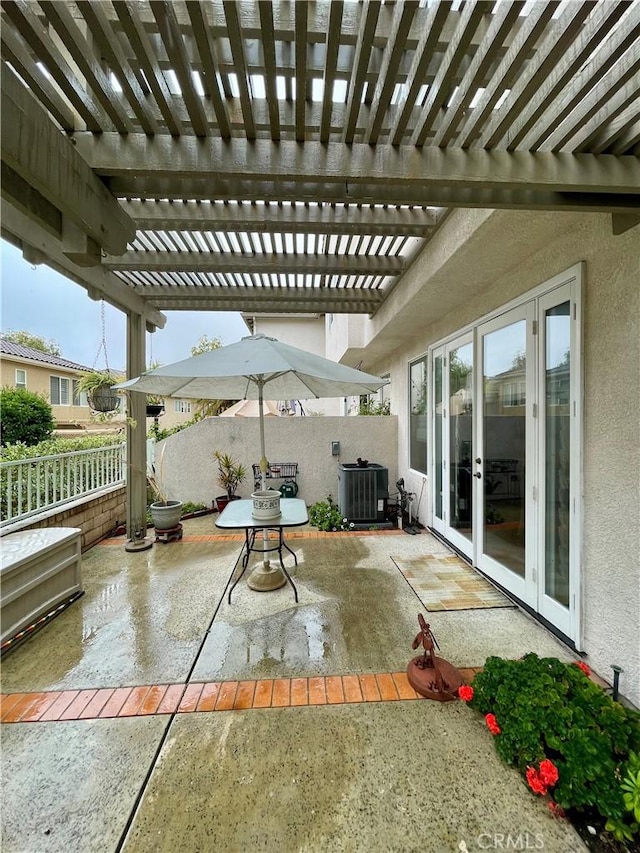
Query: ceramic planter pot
pixel 222 500
pixel 166 514
pixel 266 504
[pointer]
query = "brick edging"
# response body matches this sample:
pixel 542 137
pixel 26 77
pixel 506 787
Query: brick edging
pixel 158 699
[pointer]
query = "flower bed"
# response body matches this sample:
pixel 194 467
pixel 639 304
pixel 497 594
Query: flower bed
pixel 570 740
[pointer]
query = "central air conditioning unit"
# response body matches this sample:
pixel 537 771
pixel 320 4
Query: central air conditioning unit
pixel 363 492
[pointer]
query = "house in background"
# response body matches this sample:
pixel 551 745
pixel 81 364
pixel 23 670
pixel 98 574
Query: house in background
pixel 58 379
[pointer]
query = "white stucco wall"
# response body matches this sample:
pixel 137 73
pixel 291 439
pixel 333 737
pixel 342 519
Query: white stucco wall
pixel 307 333
pixel 188 469
pixel 504 255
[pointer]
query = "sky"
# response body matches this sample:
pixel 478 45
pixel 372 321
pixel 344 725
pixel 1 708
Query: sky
pixel 42 302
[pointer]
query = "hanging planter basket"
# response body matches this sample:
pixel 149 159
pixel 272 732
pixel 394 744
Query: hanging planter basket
pixel 103 399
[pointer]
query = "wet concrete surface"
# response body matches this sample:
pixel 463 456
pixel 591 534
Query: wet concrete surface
pixel 69 787
pixel 374 776
pixel 354 613
pixel 421 776
pixel 141 620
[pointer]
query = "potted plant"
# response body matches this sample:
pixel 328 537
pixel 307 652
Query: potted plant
pixel 230 474
pixel 165 513
pixel 155 405
pixel 98 386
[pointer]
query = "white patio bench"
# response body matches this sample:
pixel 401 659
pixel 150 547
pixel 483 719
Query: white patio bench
pixel 39 570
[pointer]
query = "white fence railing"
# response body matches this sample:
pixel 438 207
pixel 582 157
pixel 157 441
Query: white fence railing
pixel 30 486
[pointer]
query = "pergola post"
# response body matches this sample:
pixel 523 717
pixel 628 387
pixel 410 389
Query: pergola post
pixel 136 439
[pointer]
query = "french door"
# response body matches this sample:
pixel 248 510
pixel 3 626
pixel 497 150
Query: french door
pixel 506 457
pixel 453 429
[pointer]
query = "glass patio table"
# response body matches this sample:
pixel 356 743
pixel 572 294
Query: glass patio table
pixel 237 515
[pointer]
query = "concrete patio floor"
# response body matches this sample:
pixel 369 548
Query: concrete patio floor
pixel 150 725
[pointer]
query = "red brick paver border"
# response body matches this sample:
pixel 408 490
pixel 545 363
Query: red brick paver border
pixel 160 699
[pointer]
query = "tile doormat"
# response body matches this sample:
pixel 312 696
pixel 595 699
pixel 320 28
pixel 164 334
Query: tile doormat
pixel 448 583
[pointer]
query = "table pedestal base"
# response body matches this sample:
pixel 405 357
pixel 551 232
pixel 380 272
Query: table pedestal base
pixel 264 578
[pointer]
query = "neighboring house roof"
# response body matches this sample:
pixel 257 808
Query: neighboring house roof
pixel 9 348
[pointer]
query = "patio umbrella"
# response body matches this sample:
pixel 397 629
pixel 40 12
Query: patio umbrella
pixel 249 409
pixel 244 369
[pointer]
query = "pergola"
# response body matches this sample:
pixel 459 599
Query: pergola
pixel 295 157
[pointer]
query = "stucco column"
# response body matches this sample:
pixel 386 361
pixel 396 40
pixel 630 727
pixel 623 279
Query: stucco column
pixel 136 434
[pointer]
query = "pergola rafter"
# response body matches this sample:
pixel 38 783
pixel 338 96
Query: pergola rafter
pixel 235 154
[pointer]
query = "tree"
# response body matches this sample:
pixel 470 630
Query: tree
pixel 206 344
pixel 370 405
pixel 208 408
pixel 26 339
pixel 26 417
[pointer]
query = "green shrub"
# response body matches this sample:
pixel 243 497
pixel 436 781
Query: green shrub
pixel 56 446
pixel 189 507
pixel 160 434
pixel 625 828
pixel 326 515
pixel 368 406
pixel 549 710
pixel 24 416
pixel 30 489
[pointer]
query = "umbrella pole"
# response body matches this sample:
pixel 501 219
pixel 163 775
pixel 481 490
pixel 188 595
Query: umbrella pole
pixel 264 578
pixel 264 464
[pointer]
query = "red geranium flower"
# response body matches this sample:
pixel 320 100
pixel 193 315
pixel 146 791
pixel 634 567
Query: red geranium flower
pixel 492 724
pixel 548 773
pixel 583 666
pixel 535 782
pixel 465 693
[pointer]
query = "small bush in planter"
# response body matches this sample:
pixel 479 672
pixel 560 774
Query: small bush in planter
pixel 230 474
pixel 561 730
pixel 326 515
pixel 165 513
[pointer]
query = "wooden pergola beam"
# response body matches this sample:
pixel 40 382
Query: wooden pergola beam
pixel 267 264
pixel 133 158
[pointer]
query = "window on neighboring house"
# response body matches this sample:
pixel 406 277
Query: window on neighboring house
pixel 59 391
pixel 21 378
pixel 418 415
pixel 514 393
pixel 182 407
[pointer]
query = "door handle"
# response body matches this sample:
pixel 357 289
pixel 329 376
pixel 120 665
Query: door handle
pixel 478 475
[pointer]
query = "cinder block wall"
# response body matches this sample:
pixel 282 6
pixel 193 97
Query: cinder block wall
pixel 96 516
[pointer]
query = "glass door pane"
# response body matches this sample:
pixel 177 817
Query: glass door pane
pixel 460 394
pixel 557 462
pixel 504 387
pixel 437 436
